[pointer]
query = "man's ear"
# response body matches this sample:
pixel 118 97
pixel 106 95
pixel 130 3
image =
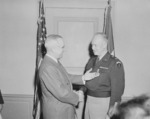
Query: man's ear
pixel 54 49
pixel 104 45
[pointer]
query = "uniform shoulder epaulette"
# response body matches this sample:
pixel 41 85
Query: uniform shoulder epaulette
pixel 118 62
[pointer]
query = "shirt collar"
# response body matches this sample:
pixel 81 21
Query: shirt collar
pixel 102 55
pixel 52 58
pixel 106 57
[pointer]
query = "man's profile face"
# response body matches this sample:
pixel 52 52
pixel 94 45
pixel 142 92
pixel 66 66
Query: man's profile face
pixel 59 48
pixel 98 45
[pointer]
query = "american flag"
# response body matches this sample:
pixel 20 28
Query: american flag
pixel 40 52
pixel 108 29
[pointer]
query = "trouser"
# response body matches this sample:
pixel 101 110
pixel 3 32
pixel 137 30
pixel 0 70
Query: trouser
pixel 96 107
pixel 0 116
pixel 79 110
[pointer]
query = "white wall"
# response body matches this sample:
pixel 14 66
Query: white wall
pixel 18 44
pixel 132 43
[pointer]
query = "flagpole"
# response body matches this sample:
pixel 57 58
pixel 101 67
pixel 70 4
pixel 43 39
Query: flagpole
pixel 40 52
pixel 34 112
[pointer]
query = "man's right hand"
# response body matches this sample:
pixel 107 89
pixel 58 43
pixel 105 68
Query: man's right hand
pixel 80 94
pixel 90 75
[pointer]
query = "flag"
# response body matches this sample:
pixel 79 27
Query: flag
pixel 40 52
pixel 108 30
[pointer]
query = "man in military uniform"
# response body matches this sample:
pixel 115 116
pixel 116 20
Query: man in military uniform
pixel 104 91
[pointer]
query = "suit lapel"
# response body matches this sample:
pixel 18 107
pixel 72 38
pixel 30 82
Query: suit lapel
pixel 63 73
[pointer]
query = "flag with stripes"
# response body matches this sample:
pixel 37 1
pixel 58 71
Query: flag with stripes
pixel 108 29
pixel 40 52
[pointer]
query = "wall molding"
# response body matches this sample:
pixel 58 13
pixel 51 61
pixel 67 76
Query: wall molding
pixel 17 106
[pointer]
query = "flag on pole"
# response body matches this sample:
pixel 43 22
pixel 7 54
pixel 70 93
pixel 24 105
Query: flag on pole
pixel 108 30
pixel 40 52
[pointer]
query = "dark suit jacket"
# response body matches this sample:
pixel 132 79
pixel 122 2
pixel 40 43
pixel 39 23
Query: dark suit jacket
pixel 58 98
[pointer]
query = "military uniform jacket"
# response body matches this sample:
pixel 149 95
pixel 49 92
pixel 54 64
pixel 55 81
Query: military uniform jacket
pixel 111 81
pixel 58 98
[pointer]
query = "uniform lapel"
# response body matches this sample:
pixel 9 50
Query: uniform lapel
pixel 103 61
pixel 64 75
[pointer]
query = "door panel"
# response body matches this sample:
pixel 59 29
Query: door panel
pixel 76 22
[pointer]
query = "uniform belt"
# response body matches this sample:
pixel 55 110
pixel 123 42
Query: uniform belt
pixel 98 93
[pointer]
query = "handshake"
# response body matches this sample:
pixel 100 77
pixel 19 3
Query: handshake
pixel 80 94
pixel 86 77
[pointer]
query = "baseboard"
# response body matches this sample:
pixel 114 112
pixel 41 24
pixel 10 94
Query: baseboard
pixel 17 106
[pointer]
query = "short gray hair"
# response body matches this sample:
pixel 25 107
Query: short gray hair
pixel 51 40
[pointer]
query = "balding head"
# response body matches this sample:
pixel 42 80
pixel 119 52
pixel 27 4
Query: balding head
pixel 52 41
pixel 99 44
pixel 102 36
pixel 54 45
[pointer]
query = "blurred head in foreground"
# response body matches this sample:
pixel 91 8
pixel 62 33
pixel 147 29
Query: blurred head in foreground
pixel 136 108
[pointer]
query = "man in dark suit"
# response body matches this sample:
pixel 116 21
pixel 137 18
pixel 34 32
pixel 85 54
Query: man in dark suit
pixel 58 98
pixel 104 91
